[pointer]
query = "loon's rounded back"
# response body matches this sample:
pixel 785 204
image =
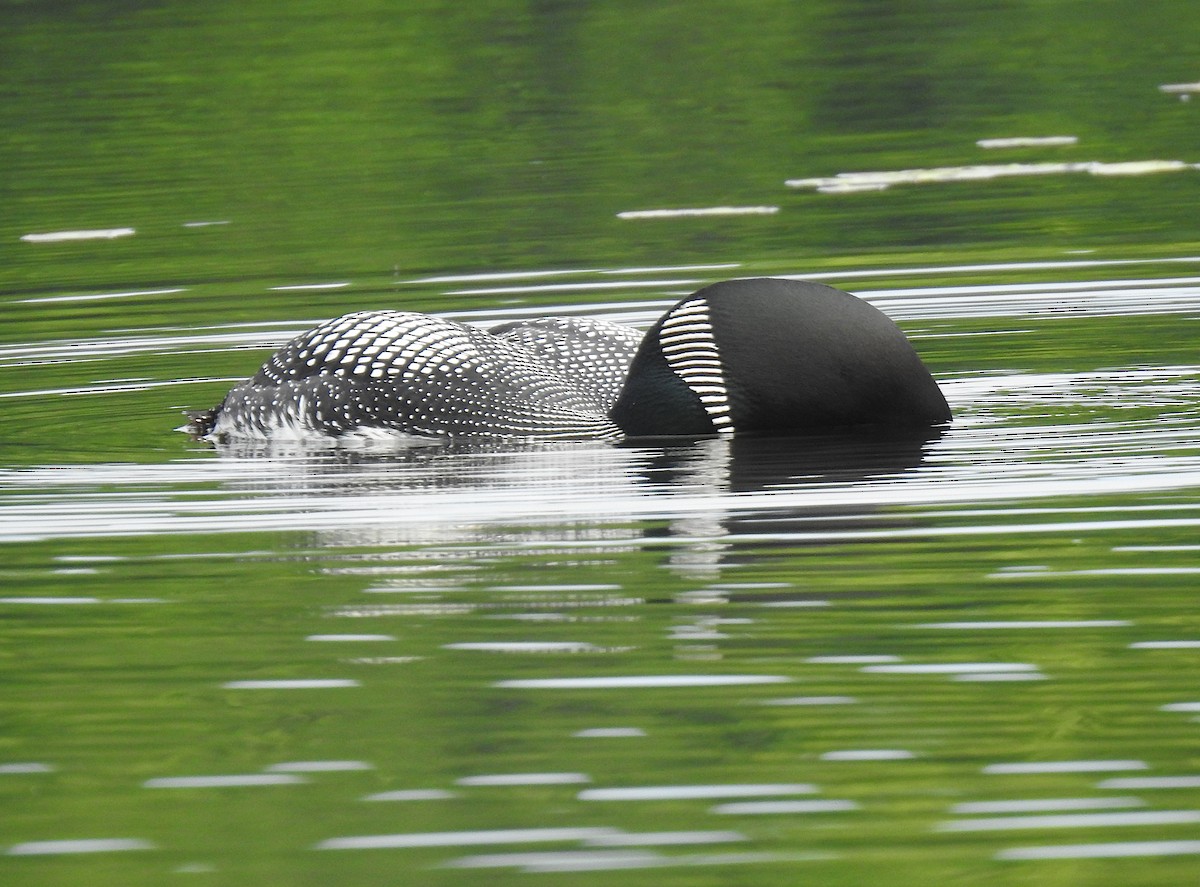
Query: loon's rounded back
pixel 770 354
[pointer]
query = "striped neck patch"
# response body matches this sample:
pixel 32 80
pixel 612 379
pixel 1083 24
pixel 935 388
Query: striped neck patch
pixel 687 343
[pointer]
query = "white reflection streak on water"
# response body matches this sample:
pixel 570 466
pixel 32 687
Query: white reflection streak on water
pixel 224 781
pixel 79 845
pixel 1071 820
pixel 1103 851
pixel 1043 805
pixel 752 808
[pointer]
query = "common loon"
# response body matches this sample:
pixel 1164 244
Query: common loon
pixel 762 355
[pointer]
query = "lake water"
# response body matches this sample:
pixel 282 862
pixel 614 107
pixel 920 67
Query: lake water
pixel 967 658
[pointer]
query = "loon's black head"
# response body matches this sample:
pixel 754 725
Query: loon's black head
pixel 774 355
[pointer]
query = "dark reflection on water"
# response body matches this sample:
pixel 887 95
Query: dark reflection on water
pixel 751 464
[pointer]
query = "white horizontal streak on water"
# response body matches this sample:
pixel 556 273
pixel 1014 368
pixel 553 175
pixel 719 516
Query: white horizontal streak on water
pixel 1071 820
pixel 91 297
pixel 1022 767
pixel 291 684
pixel 1102 851
pixel 412 794
pixel 1044 623
pixel 1156 548
pixel 1026 141
pixel 1043 805
pixel 1181 706
pixel 224 781
pixel 811 700
pixel 1151 782
pixel 84 234
pixel 594 587
pixel 50 601
pixel 78 845
pixel 122 346
pixel 319 766
pixel 616 860
pixel 754 808
pixel 110 388
pixel 998 267
pixel 663 269
pixel 312 286
pixel 350 638
pixel 694 792
pixel 1048 305
pixel 503 779
pixel 25 767
pixel 853 535
pixel 1038 289
pixel 25 523
pixel 693 860
pixel 641 681
pixel 881 179
pixel 790 604
pixel 647 839
pixel 868 754
pixel 525 647
pixel 699 211
pixel 463 838
pixel 950 668
pixel 560 861
pixel 609 733
pixel 1105 571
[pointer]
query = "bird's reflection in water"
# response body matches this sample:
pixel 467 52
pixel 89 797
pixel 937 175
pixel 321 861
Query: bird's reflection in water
pixel 757 463
pixel 751 464
pixel 695 495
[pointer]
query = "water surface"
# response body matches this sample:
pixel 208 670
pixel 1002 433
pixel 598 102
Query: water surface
pixel 965 656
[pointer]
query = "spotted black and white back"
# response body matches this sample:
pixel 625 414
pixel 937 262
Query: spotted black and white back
pixel 412 374
pixel 593 354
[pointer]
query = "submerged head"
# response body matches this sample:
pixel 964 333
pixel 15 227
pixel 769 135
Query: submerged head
pixel 774 355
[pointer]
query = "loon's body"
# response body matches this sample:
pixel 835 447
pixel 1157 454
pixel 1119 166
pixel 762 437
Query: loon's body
pixel 759 355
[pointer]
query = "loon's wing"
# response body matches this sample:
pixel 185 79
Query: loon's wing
pixel 412 374
pixel 594 353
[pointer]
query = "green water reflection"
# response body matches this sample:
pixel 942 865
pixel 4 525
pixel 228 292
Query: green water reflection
pixel 361 138
pixel 376 145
